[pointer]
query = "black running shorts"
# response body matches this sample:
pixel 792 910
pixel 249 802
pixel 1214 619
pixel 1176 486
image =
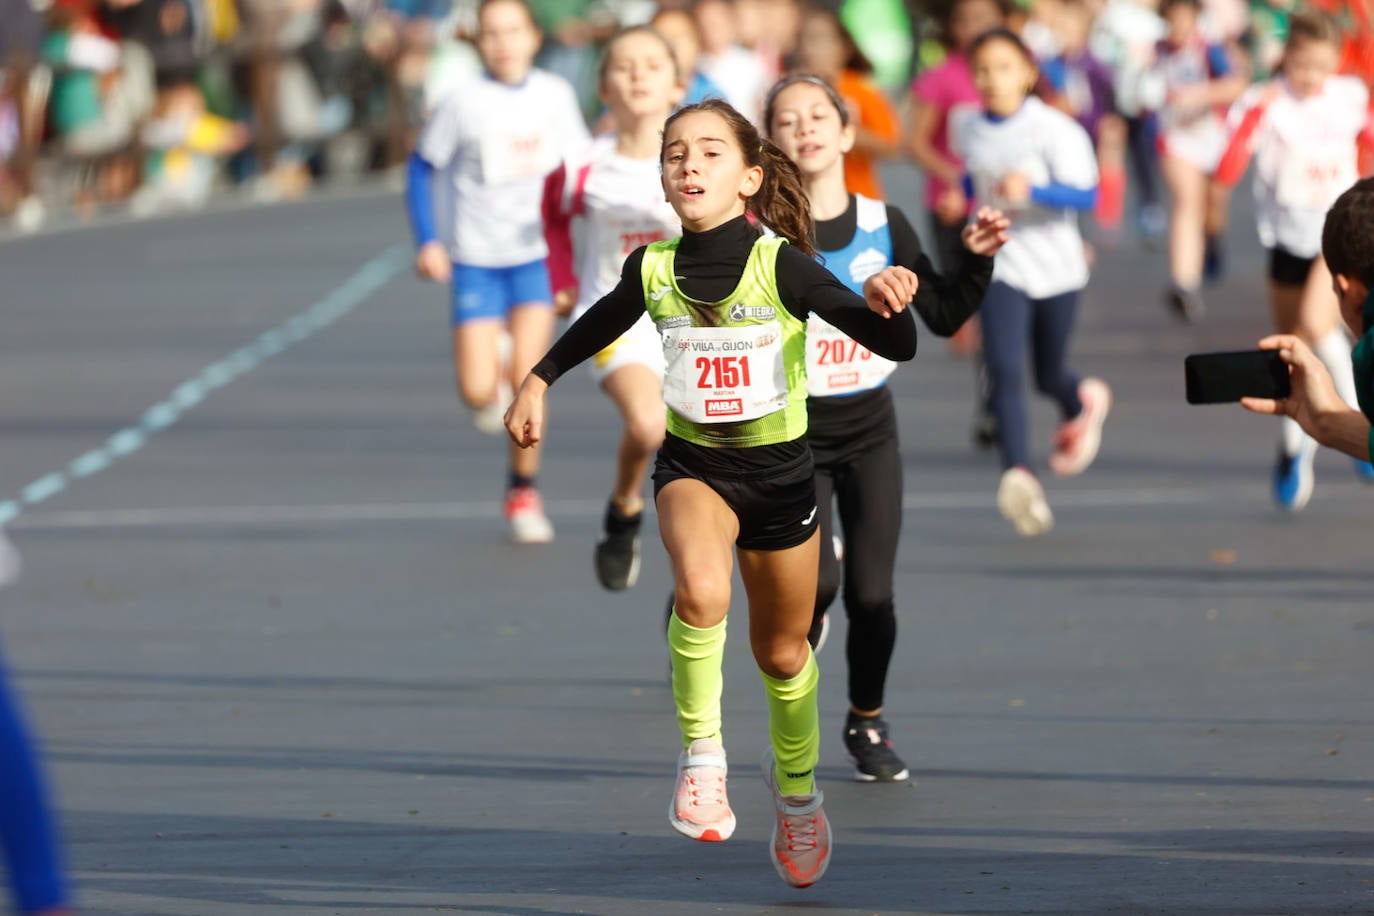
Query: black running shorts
pixel 771 489
pixel 1288 269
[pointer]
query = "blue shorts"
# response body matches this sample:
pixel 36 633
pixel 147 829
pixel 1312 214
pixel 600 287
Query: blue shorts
pixel 491 292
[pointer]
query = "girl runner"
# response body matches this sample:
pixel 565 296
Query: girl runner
pixel 1196 83
pixel 614 186
pixel 730 306
pixel 851 424
pixel 493 141
pixel 28 840
pixel 825 47
pixel 1303 127
pixel 936 94
pixel 1027 158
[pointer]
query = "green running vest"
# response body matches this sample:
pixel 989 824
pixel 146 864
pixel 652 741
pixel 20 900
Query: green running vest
pixel 736 369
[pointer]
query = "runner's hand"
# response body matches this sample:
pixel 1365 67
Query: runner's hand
pixel 889 290
pixel 563 302
pixel 525 416
pixel 432 262
pixel 987 233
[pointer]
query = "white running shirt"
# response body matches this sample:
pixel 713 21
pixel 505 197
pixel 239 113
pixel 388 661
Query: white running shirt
pixel 1305 156
pixel 493 144
pixel 622 202
pixel 1044 256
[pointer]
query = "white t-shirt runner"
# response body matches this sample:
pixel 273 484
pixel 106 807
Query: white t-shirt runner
pixel 493 144
pixel 1305 156
pixel 1044 256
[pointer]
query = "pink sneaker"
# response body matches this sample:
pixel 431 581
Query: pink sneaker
pixel 1077 441
pixel 800 847
pixel 525 513
pixel 699 808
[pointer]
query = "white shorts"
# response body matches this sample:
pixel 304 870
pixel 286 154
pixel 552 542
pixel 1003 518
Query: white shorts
pixel 640 345
pixel 1200 143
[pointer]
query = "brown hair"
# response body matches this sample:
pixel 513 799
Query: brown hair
pixel 637 30
pixel 854 57
pixel 781 203
pixel 792 79
pixel 1348 233
pixel 1313 25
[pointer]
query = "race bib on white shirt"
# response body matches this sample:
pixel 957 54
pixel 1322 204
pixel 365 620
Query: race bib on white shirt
pixel 836 364
pixel 1312 176
pixel 724 375
pixel 509 155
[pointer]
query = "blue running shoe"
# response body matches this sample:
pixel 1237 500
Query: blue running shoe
pixel 1293 478
pixel 1364 470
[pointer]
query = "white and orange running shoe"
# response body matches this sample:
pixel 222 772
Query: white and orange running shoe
pixel 699 808
pixel 525 514
pixel 1076 441
pixel 801 844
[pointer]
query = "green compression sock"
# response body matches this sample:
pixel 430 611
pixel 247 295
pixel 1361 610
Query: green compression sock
pixel 794 722
pixel 697 656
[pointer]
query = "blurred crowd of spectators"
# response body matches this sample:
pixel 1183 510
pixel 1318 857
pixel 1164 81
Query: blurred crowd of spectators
pixel 157 104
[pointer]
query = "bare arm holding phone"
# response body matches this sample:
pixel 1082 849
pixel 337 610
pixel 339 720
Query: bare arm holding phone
pixel 1313 402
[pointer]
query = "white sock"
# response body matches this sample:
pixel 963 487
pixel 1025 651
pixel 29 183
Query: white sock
pixel 1291 436
pixel 1334 351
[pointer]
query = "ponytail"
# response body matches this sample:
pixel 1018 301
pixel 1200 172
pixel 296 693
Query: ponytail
pixel 780 203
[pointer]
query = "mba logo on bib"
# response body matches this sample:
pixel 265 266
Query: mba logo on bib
pixel 865 264
pixel 724 407
pixel 740 312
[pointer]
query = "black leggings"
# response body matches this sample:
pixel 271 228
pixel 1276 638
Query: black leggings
pixel 868 493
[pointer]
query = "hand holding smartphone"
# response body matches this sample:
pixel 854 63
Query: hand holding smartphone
pixel 1223 378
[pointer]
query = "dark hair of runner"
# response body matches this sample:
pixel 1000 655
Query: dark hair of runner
pixel 1313 25
pixel 792 80
pixel 637 30
pixel 854 57
pixel 1348 234
pixel 780 203
pixel 1007 35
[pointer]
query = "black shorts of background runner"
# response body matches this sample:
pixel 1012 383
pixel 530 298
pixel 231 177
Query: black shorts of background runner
pixel 1288 269
pixel 860 473
pixel 768 487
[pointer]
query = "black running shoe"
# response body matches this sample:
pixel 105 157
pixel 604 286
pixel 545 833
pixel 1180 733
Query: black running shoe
pixel 984 431
pixel 865 737
pixel 1213 260
pixel 617 555
pixel 1186 304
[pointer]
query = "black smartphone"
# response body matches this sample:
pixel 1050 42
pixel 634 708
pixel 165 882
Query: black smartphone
pixel 1220 378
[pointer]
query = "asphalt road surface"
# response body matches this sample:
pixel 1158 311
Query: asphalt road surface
pixel 285 662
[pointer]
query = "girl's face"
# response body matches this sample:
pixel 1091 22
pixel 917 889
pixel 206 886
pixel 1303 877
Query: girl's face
pixel 807 127
pixel 507 41
pixel 705 177
pixel 640 78
pixel 1002 76
pixel 1182 21
pixel 971 18
pixel 716 20
pixel 1308 64
pixel 820 49
pixel 677 26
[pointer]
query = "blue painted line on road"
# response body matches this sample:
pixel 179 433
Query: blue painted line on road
pixel 371 277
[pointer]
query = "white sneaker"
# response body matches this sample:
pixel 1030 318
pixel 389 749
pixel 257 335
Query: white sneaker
pixel 492 418
pixel 1021 500
pixel 801 842
pixel 29 215
pixel 700 808
pixel 525 513
pixel 1076 442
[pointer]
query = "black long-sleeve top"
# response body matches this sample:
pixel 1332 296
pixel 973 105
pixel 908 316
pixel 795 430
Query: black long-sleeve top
pixel 709 266
pixel 840 428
